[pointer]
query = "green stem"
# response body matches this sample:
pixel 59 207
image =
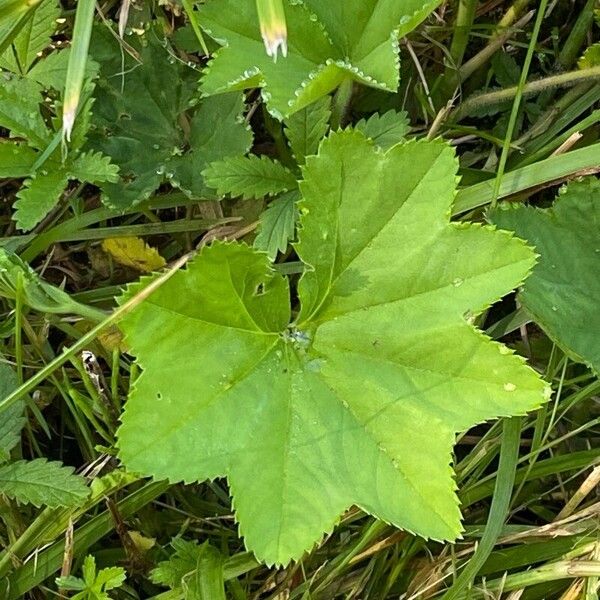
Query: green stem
pixel 465 16
pixel 189 9
pixel 509 454
pixel 550 572
pixel 514 113
pixel 533 87
pixel 91 335
pixel 49 561
pixel 551 170
pixel 572 46
pixel 341 104
pixel 504 33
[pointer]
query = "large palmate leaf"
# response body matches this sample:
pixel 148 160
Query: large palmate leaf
pixel 358 398
pixel 563 291
pixel 140 121
pixel 328 42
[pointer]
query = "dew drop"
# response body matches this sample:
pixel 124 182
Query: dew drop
pixel 555 308
pixel 510 387
pixel 457 282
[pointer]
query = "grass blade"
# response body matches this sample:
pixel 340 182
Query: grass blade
pixel 82 32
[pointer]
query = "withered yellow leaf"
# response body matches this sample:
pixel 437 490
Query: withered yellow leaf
pixel 133 252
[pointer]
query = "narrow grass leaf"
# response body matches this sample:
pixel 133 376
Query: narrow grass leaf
pixel 82 31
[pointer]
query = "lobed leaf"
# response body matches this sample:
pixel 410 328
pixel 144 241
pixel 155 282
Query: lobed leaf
pixel 138 122
pixel 358 399
pixel 328 42
pixel 563 290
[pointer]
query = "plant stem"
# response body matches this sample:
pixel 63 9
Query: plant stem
pixel 572 46
pixel 341 104
pixel 544 172
pixel 509 454
pixel 191 15
pixel 78 346
pixel 533 87
pixel 465 16
pixel 514 113
pixel 492 47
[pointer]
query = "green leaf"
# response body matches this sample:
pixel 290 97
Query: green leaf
pixel 16 160
pixel 35 35
pixel 40 482
pixel 385 130
pixel 563 290
pixel 36 293
pixel 138 123
pixel 180 564
pixel 51 72
pixel 94 584
pixel 217 130
pixel 307 127
pixel 208 581
pixel 12 420
pixel 358 399
pixel 249 177
pixel 277 225
pixel 196 568
pixel 110 578
pixel 93 167
pixel 590 58
pixel 328 43
pixel 39 195
pixel 42 191
pixel 20 111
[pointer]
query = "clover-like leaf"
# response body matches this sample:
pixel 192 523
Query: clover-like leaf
pixel 358 398
pixel 328 42
pixel 563 291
